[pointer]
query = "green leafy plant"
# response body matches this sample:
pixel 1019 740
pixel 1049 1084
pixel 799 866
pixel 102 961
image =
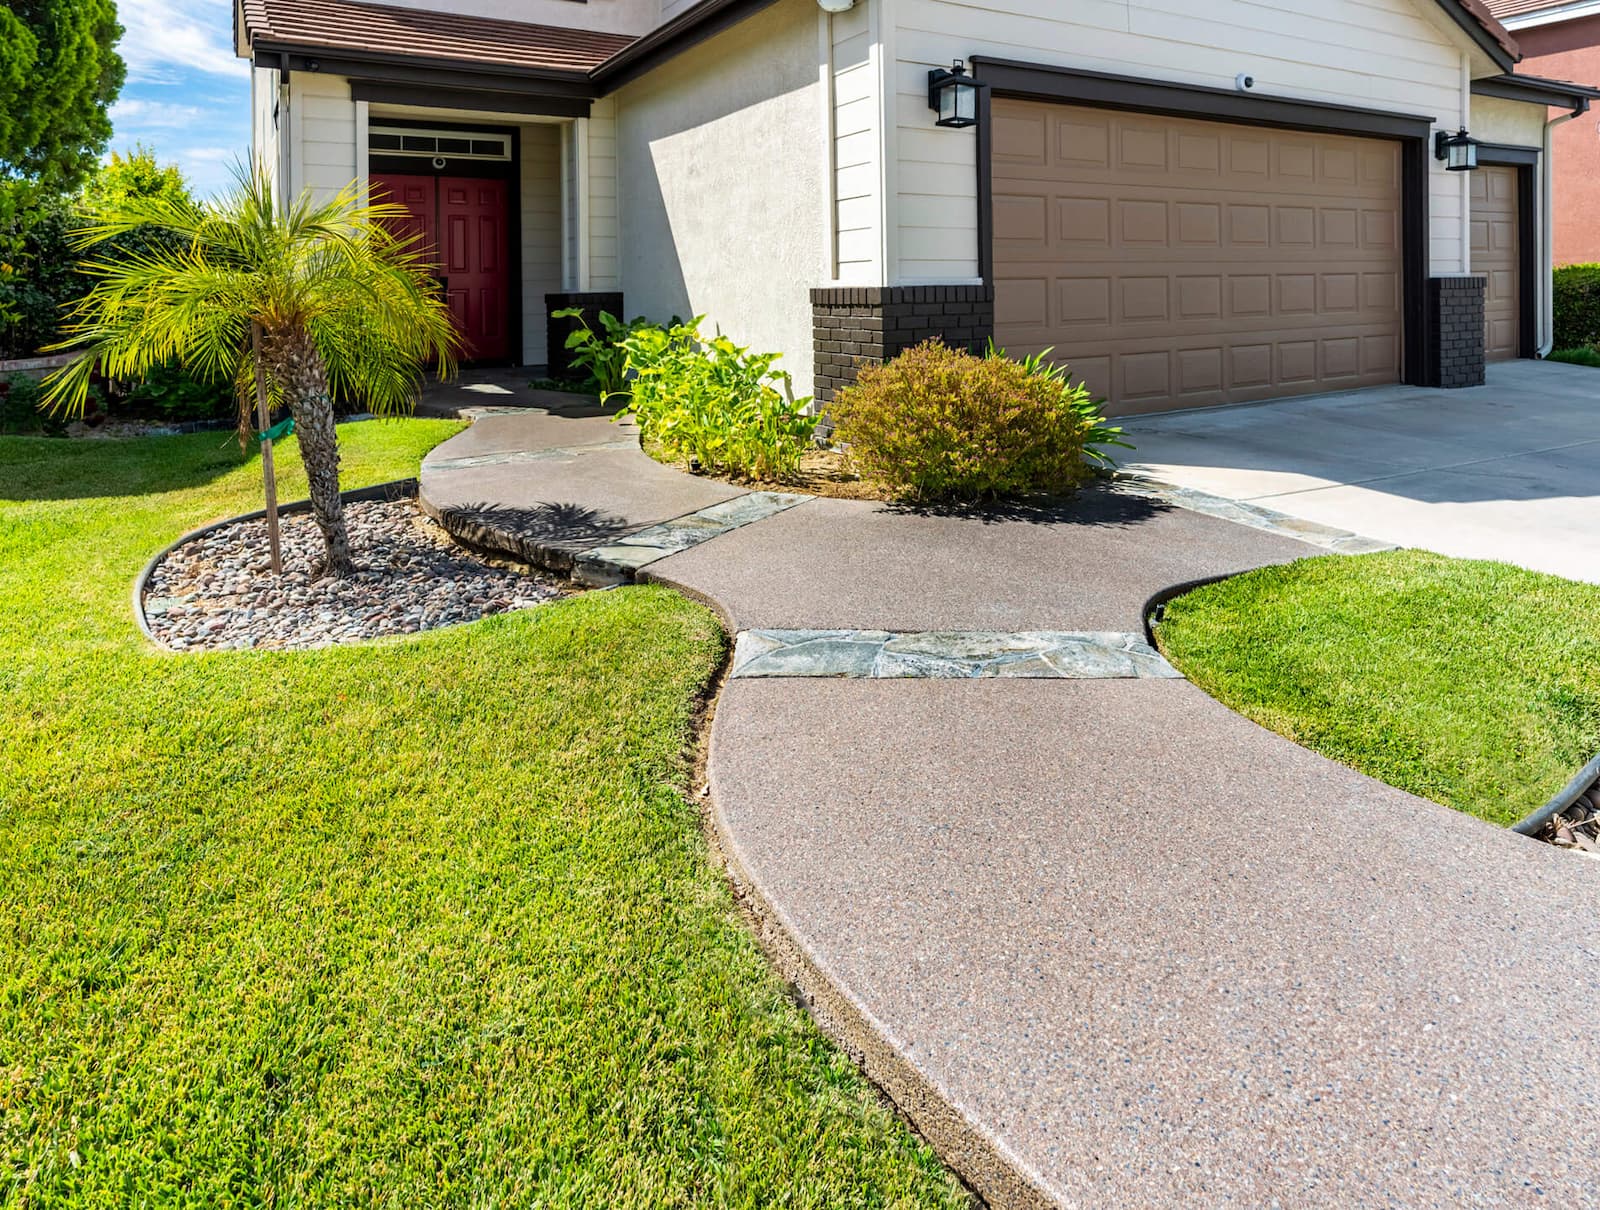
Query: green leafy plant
pixel 1077 397
pixel 709 400
pixel 170 392
pixel 600 355
pixel 1583 355
pixel 1575 297
pixel 938 424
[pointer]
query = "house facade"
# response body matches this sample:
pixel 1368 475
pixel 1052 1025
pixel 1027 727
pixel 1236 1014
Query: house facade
pixel 1562 40
pixel 1192 204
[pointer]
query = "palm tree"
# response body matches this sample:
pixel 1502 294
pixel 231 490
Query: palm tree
pixel 338 302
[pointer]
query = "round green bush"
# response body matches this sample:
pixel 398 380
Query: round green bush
pixel 938 424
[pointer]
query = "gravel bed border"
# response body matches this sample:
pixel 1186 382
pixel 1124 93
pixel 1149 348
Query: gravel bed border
pixel 394 489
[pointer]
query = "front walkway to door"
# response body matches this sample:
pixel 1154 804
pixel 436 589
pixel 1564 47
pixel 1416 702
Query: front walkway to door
pixel 1509 470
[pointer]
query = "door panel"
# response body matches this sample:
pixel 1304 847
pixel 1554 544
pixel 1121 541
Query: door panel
pixel 1496 255
pixel 1177 263
pixel 418 195
pixel 474 216
pixel 463 226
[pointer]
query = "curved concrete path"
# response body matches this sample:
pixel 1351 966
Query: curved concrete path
pixel 1105 941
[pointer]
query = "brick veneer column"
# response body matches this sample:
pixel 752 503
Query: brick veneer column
pixel 854 326
pixel 1455 345
pixel 558 359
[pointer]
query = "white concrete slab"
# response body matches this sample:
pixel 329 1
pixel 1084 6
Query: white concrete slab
pixel 1509 470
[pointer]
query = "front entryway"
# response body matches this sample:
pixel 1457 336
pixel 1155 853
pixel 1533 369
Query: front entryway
pixel 1177 263
pixel 465 221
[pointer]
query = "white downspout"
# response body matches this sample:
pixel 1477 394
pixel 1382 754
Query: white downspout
pixel 1547 238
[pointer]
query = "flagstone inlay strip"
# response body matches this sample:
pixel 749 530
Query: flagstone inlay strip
pixel 616 562
pixel 948 655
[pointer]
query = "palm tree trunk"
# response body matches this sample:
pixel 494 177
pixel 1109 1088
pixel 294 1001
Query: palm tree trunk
pixel 293 360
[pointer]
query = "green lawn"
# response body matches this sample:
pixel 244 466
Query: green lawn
pixel 1474 684
pixel 414 924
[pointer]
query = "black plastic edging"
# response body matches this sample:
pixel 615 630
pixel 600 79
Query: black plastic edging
pixel 394 489
pixel 1586 777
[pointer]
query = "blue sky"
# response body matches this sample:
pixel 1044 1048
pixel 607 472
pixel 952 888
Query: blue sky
pixel 186 96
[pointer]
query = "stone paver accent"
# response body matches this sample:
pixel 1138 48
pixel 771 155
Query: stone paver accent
pixel 948 655
pixel 617 562
pixel 1339 541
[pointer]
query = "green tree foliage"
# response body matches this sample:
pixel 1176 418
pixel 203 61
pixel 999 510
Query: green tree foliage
pixel 39 276
pixel 342 305
pixel 59 74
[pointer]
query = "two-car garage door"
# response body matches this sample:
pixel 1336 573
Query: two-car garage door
pixel 1177 263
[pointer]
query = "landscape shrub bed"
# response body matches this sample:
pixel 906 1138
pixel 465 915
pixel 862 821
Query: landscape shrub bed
pixel 707 400
pixel 938 424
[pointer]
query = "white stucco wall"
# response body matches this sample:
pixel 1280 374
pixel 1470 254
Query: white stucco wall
pixel 1513 122
pixel 1400 56
pixel 721 157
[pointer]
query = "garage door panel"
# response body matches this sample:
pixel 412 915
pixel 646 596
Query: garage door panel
pixel 1194 262
pixel 1493 229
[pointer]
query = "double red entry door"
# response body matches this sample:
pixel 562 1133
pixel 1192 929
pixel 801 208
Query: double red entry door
pixel 463 222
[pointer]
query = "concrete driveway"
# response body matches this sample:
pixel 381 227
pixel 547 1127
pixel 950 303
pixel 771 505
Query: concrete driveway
pixel 1509 470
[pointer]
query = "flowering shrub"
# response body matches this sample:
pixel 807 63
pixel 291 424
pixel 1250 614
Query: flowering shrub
pixel 709 400
pixel 939 424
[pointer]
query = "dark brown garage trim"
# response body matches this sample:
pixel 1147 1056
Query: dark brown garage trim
pixel 1103 90
pixel 1526 161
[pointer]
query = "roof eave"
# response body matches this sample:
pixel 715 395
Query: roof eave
pixel 1534 90
pixel 380 65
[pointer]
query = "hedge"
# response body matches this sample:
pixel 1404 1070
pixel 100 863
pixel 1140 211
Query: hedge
pixel 1576 296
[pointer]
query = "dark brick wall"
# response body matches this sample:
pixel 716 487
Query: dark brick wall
pixel 1455 352
pixel 556 330
pixel 854 326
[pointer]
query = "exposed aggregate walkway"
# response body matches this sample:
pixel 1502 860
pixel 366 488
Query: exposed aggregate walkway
pixel 1105 941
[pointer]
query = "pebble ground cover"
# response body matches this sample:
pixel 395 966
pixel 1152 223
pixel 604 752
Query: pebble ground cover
pixel 417 923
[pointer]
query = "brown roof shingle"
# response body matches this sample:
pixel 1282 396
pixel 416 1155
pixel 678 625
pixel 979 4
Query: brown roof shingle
pixel 426 34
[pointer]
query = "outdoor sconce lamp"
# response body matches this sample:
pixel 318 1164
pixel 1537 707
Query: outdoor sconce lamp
pixel 1459 151
pixel 953 95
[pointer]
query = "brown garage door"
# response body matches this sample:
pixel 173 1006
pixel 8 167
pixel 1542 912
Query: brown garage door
pixel 1494 254
pixel 1178 263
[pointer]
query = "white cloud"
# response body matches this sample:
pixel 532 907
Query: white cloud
pixel 164 39
pixel 139 113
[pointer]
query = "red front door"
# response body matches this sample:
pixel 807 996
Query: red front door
pixel 463 223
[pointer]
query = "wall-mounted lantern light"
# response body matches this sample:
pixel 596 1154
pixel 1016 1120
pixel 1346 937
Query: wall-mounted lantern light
pixel 953 95
pixel 1459 151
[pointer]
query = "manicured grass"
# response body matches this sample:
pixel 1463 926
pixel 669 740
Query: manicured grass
pixel 1471 683
pixel 421 923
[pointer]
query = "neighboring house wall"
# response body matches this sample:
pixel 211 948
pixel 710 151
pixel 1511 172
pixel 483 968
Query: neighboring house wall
pixel 1570 50
pixel 723 199
pixel 1385 55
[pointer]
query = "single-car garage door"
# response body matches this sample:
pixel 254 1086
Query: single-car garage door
pixel 1494 254
pixel 1177 263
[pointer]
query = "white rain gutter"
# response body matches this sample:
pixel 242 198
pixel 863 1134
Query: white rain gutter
pixel 1547 243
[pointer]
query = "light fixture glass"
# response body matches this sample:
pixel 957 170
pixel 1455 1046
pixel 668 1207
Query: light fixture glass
pixel 1459 151
pixel 953 95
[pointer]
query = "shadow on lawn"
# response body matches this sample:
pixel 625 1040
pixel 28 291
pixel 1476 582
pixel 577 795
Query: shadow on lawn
pixel 71 468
